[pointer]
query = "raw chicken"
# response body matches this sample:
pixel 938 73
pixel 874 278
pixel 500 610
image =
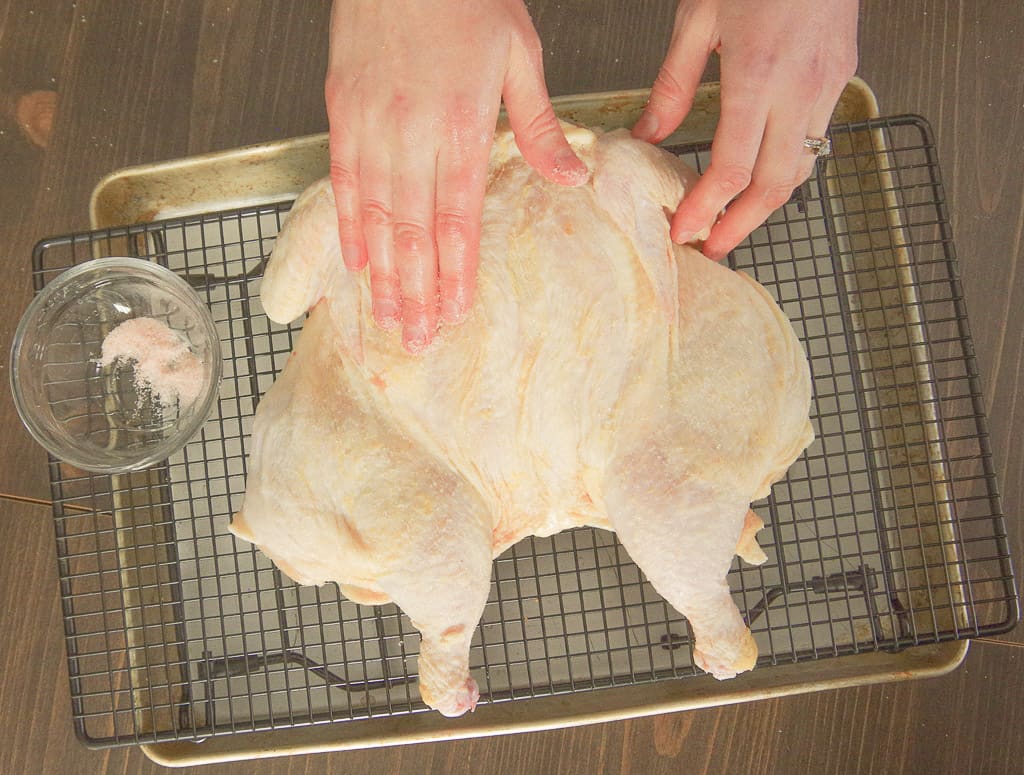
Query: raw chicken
pixel 605 377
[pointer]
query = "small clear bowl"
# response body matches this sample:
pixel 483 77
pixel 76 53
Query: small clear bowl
pixel 104 418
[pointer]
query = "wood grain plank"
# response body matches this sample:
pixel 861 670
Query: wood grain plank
pixel 32 47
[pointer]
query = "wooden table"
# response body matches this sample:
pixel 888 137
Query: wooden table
pixel 146 81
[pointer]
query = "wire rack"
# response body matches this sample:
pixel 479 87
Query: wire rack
pixel 887 533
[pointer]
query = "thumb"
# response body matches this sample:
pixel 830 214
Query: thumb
pixel 534 124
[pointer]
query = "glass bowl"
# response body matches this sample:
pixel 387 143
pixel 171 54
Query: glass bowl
pixel 140 401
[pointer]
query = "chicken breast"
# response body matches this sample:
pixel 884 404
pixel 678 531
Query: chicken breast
pixel 604 377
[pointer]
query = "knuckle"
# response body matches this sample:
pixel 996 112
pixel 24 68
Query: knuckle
pixel 452 225
pixel 539 125
pixel 759 64
pixel 412 238
pixel 343 177
pixel 416 307
pixel 816 68
pixel 384 284
pixel 402 109
pixel 333 89
pixel 348 229
pixel 451 284
pixel 341 91
pixel 376 213
pixel 460 122
pixel 831 71
pixel 776 194
pixel 730 179
pixel 465 126
pixel 667 89
pixel 809 87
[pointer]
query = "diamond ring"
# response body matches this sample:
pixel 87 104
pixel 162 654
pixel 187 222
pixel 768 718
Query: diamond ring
pixel 819 146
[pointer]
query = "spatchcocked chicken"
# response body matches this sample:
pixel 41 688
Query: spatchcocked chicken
pixel 604 377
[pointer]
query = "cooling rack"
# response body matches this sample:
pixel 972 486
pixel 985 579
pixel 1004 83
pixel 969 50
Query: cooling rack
pixel 886 534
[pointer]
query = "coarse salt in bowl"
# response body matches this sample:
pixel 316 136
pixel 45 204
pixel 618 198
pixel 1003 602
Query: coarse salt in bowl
pixel 115 365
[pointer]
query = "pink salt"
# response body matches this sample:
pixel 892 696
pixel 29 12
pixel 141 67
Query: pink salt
pixel 163 362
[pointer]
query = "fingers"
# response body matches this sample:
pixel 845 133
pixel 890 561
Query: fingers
pixel 386 219
pixel 423 249
pixel 378 224
pixel 344 171
pixel 537 131
pixel 734 150
pixel 415 220
pixel 413 181
pixel 783 163
pixel 411 129
pixel 677 81
pixel 781 160
pixel 783 69
pixel 461 185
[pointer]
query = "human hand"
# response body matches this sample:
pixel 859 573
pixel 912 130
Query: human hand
pixel 413 91
pixel 784 65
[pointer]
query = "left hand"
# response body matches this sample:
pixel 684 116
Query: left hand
pixel 784 64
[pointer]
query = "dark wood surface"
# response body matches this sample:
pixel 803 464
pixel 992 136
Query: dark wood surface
pixel 146 81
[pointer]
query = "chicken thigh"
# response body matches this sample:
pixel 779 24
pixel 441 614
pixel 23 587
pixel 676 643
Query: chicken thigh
pixel 604 377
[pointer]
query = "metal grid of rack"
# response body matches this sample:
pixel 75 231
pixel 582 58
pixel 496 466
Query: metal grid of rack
pixel 886 533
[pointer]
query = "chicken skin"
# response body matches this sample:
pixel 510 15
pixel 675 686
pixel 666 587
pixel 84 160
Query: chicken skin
pixel 605 376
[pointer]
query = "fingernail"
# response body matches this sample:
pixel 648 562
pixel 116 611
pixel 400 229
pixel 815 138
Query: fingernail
pixel 386 313
pixel 646 127
pixel 354 256
pixel 451 311
pixel 682 237
pixel 570 169
pixel 415 338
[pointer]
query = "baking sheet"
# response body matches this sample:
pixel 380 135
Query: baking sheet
pixel 588 638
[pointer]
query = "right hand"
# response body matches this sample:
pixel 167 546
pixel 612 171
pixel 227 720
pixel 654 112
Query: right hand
pixel 413 91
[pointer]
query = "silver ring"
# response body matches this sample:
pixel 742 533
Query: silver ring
pixel 819 146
